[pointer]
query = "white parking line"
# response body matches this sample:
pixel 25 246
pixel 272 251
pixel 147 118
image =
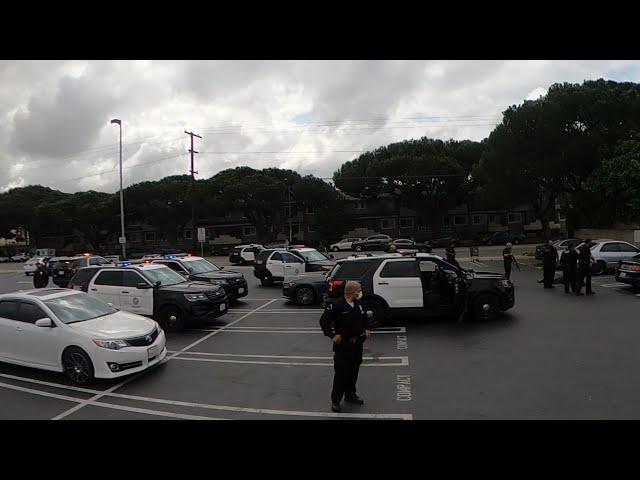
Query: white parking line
pixel 159 413
pixel 124 382
pixel 400 416
pixel 291 311
pixel 315 329
pixel 612 285
pixel 404 362
pixel 284 356
pixel 298 331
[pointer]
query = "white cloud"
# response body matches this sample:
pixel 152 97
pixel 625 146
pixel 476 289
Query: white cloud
pixel 54 115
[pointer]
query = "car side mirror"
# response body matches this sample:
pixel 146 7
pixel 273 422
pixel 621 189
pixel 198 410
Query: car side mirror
pixel 221 268
pixel 44 322
pixel 158 283
pixel 331 257
pixel 142 286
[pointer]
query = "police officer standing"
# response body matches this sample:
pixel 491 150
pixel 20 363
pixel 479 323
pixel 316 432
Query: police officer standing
pixel 569 261
pixel 346 324
pixel 451 255
pixel 549 261
pixel 585 260
pixel 508 260
pixel 40 276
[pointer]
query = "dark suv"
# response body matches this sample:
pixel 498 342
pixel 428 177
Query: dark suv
pixel 65 271
pixel 422 285
pixel 374 242
pixel 197 268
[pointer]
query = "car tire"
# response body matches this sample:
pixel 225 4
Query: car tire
pixel 379 313
pixel 77 365
pixel 305 296
pixel 266 280
pixel 172 319
pixel 241 261
pixel 358 248
pixel 486 307
pixel 335 249
pixel 598 268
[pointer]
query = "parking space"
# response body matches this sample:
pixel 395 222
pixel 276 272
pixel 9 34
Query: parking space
pixel 552 356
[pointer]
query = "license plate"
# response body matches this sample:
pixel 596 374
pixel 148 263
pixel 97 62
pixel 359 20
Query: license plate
pixel 223 307
pixel 241 290
pixel 60 272
pixel 623 275
pixel 153 351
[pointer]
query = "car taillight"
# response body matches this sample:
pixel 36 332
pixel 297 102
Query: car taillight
pixel 636 268
pixel 334 284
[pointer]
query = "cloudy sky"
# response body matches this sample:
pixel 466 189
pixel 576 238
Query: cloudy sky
pixel 310 116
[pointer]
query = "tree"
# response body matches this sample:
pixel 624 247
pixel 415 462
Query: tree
pixel 616 184
pixel 544 150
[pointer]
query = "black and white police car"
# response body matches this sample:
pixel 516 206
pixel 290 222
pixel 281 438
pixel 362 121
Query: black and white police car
pixel 200 269
pixel 280 264
pixel 154 291
pixel 243 254
pixel 423 285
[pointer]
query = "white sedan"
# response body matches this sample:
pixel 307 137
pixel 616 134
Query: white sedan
pixel 31 265
pixel 344 244
pixel 68 331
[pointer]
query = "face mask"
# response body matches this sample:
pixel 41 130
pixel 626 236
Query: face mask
pixel 358 295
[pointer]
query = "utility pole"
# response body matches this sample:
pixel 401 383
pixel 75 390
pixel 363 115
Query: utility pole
pixel 122 240
pixel 194 238
pixel 290 207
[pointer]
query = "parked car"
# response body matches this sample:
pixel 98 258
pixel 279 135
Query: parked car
pixel 444 242
pixel 422 285
pixel 628 271
pixel 21 257
pixel 373 242
pixel 66 271
pixel 501 238
pixel 31 265
pixel 408 246
pixel 607 253
pixel 305 289
pixel 560 245
pixel 244 254
pixel 58 263
pixel 5 260
pixel 200 269
pixel 344 244
pixel 155 291
pixel 68 331
pixel 279 265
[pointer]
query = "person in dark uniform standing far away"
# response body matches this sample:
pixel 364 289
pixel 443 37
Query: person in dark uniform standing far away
pixel 451 255
pixel 347 325
pixel 569 261
pixel 549 261
pixel 508 260
pixel 585 260
pixel 40 276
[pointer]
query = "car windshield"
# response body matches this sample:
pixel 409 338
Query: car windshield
pixel 200 266
pixel 312 256
pixel 79 308
pixel 165 276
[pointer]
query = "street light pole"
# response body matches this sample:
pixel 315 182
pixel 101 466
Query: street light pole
pixel 122 235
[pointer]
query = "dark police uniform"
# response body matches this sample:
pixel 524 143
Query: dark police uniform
pixel 451 255
pixel 584 270
pixel 340 318
pixel 569 260
pixel 40 278
pixel 508 260
pixel 549 260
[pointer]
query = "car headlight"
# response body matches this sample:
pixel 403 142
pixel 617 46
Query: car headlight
pixel 219 282
pixel 111 344
pixel 287 285
pixel 194 297
pixel 506 283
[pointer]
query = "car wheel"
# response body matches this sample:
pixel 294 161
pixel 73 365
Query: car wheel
pixel 266 280
pixel 358 248
pixel 377 310
pixel 172 319
pixel 305 295
pixel 335 249
pixel 486 307
pixel 598 268
pixel 241 261
pixel 77 365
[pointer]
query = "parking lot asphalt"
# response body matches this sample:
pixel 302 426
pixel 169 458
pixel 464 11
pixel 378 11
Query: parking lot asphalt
pixel 553 356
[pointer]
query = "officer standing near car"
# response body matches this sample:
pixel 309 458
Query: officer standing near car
pixel 549 261
pixel 585 261
pixel 40 276
pixel 569 261
pixel 346 324
pixel 451 255
pixel 508 260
